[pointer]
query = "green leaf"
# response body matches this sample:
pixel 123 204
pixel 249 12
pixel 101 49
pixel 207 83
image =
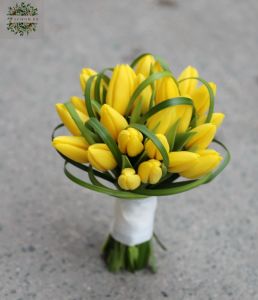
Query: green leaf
pixel 148 81
pixel 224 163
pixel 106 138
pixel 126 162
pixel 135 116
pixel 86 133
pixel 100 189
pixel 171 134
pixel 97 88
pixel 165 104
pixel 143 129
pixel 181 139
pixel 87 96
pixel 211 94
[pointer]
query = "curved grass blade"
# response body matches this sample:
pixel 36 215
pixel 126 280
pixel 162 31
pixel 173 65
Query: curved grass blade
pixel 148 81
pixel 86 133
pixel 97 88
pixel 143 129
pixel 165 104
pixel 100 189
pixel 137 59
pixel 87 96
pixel 224 163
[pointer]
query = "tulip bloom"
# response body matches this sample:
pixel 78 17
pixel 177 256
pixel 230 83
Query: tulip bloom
pixel 150 171
pixel 180 161
pixel 74 147
pixel 128 180
pixel 112 120
pixel 145 95
pixel 130 142
pixel 101 158
pixel 201 98
pixel 144 65
pixel 86 73
pixel 203 136
pixel 167 89
pixel 209 159
pixel 152 151
pixel 79 104
pixel 216 119
pixel 67 119
pixel 120 88
pixel 187 87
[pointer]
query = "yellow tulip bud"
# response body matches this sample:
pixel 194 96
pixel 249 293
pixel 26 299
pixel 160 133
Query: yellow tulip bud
pixel 120 88
pixel 216 119
pixel 112 120
pixel 144 65
pixel 150 171
pixel 152 151
pixel 101 158
pixel 203 136
pixel 201 98
pixel 130 142
pixel 187 87
pixel 167 89
pixel 145 95
pixel 128 180
pixel 79 104
pixel 209 159
pixel 181 160
pixel 67 119
pixel 74 147
pixel 86 73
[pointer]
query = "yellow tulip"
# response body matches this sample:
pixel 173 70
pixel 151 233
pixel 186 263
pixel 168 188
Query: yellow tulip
pixel 187 87
pixel 67 119
pixel 74 147
pixel 150 171
pixel 145 95
pixel 209 159
pixel 112 120
pixel 152 151
pixel 120 88
pixel 79 104
pixel 101 158
pixel 130 142
pixel 201 98
pixel 203 136
pixel 216 119
pixel 181 160
pixel 144 65
pixel 167 89
pixel 128 180
pixel 86 73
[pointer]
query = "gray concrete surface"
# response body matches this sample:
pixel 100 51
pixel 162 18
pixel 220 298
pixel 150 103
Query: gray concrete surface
pixel 51 230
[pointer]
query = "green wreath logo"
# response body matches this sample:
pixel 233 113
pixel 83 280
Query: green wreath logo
pixel 22 19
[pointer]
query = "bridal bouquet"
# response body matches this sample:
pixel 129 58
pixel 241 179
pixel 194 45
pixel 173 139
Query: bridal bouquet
pixel 139 133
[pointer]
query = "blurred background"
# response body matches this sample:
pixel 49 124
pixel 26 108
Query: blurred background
pixel 51 230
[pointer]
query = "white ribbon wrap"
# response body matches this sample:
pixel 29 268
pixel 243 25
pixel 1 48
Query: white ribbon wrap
pixel 134 220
